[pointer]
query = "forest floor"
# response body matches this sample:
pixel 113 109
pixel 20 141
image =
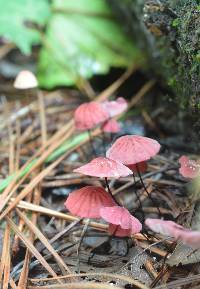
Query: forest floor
pixel 42 246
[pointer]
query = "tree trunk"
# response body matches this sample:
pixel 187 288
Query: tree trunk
pixel 168 31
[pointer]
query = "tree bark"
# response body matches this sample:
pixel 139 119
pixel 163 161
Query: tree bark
pixel 168 31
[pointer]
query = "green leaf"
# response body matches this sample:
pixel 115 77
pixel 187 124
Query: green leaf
pixel 69 144
pixel 82 39
pixel 5 182
pixel 14 15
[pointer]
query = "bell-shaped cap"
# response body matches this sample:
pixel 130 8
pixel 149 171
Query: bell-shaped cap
pixel 121 217
pixel 133 149
pixel 171 229
pixel 25 80
pixel 104 168
pixel 166 228
pixel 111 126
pixel 189 168
pixel 115 107
pixel 87 201
pixel 142 167
pixel 88 115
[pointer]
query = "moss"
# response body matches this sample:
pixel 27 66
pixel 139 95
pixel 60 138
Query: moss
pixel 170 35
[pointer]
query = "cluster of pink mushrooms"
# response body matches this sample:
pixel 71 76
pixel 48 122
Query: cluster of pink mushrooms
pixel 128 155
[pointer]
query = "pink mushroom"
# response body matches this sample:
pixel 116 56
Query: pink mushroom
pixel 166 228
pixel 133 149
pixel 104 168
pixel 111 126
pixel 115 107
pixel 122 223
pixel 189 168
pixel 87 201
pixel 171 229
pixel 88 115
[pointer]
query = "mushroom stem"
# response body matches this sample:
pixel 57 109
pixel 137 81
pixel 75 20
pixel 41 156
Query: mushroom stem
pixel 138 199
pixel 91 143
pixel 109 191
pixel 149 195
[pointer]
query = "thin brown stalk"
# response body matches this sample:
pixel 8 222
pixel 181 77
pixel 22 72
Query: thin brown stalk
pixel 5 250
pixel 77 285
pixel 155 250
pixel 12 284
pixel 31 248
pixel 44 240
pixel 102 275
pixel 7 267
pixel 42 113
pixel 53 213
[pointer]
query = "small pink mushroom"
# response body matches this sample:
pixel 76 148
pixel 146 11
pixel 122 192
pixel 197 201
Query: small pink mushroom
pixel 88 115
pixel 122 223
pixel 171 229
pixel 133 149
pixel 115 107
pixel 189 168
pixel 87 201
pixel 104 168
pixel 111 126
pixel 166 228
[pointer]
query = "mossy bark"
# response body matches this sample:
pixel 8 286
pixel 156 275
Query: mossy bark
pixel 169 33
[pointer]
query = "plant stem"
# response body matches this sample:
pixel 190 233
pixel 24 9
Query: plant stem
pixel 109 191
pixel 138 199
pixel 149 195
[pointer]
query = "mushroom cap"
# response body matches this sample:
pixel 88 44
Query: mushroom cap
pixel 171 229
pixel 104 168
pixel 25 80
pixel 87 201
pixel 142 167
pixel 89 114
pixel 189 168
pixel 133 149
pixel 115 107
pixel 120 216
pixel 111 126
pixel 167 228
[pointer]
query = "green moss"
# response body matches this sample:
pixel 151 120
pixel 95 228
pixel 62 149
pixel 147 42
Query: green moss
pixel 170 38
pixel 176 22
